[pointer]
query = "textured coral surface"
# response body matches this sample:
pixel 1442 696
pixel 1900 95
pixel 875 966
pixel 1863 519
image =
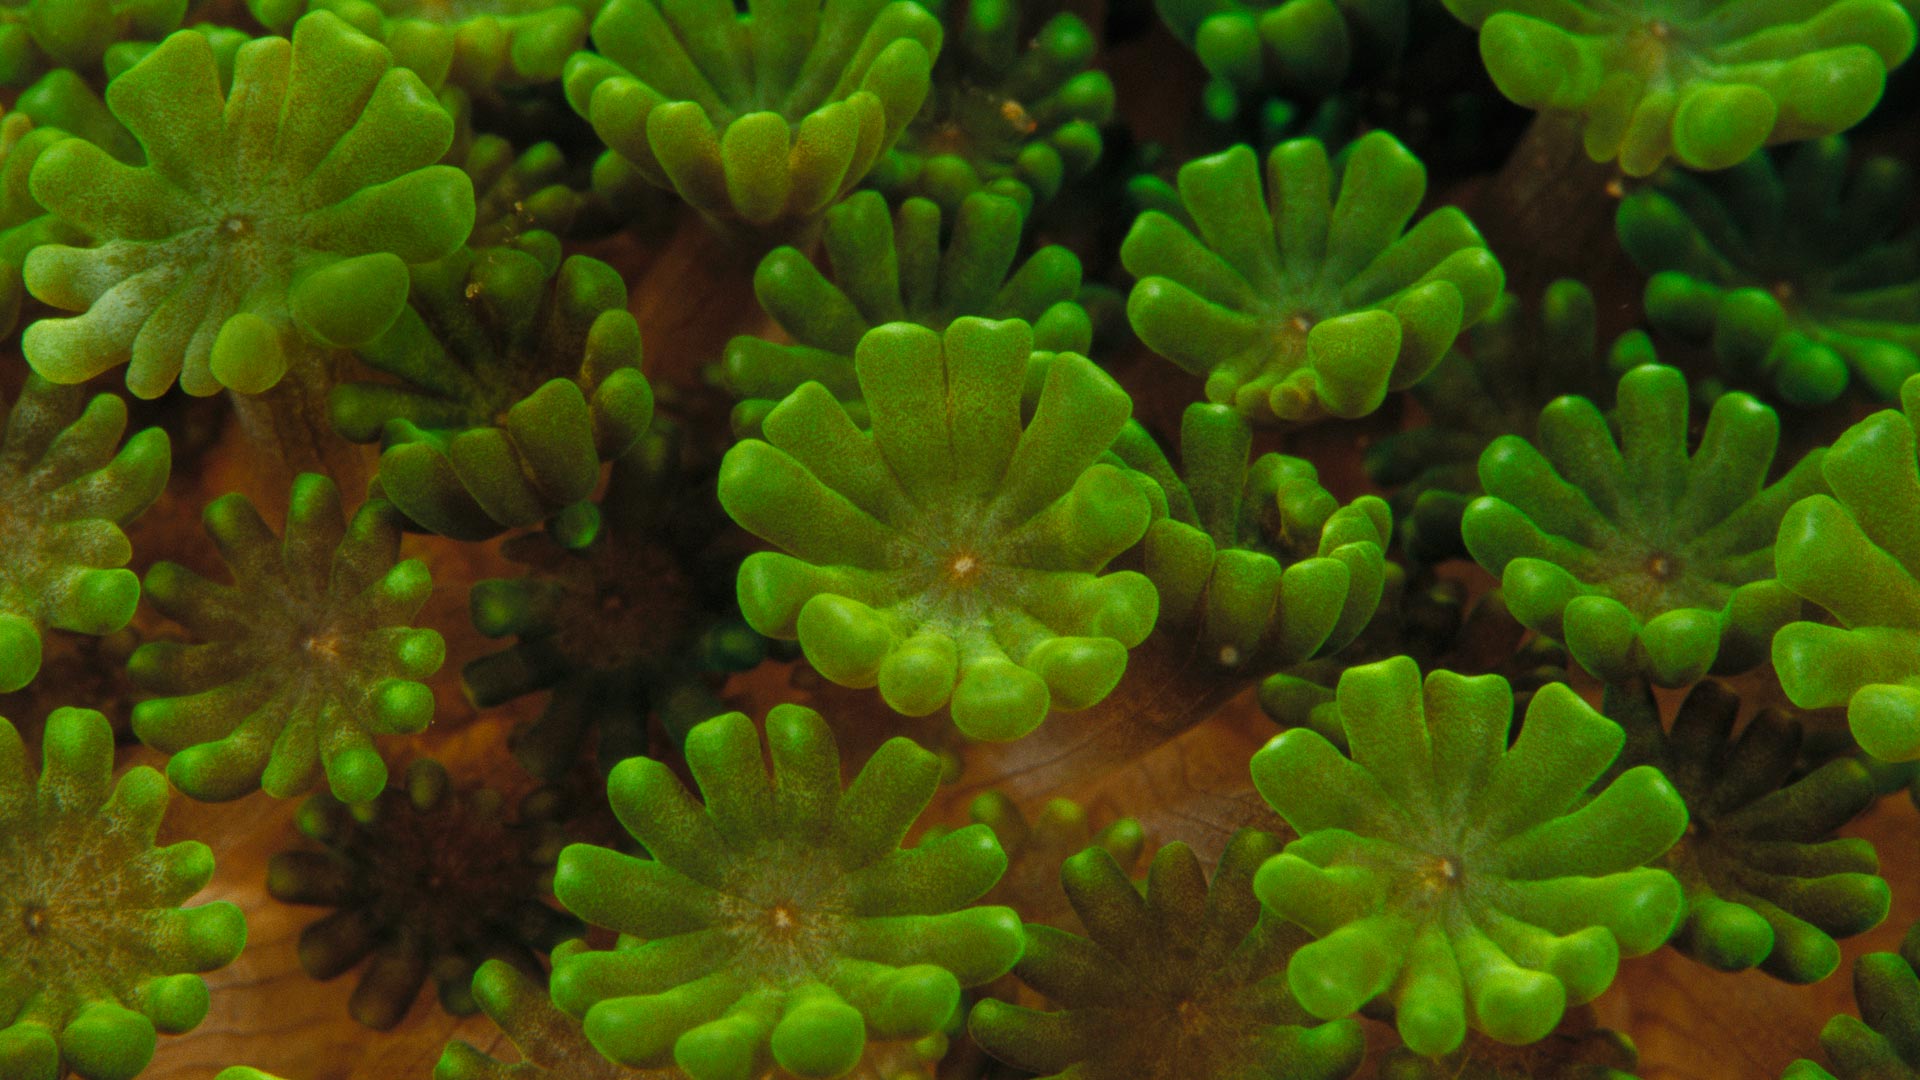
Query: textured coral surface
pixel 606 624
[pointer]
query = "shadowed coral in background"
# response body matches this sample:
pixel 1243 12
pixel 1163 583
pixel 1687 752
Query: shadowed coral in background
pixel 428 879
pixel 897 269
pixel 1793 269
pixel 1186 981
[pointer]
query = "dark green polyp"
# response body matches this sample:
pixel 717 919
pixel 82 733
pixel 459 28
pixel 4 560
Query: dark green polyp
pixel 1768 883
pixel 1255 562
pixel 514 377
pixel 67 486
pixel 1792 267
pixel 1187 980
pixel 918 264
pixel 1645 559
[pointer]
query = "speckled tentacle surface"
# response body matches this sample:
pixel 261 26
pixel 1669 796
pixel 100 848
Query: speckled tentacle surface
pixel 779 922
pixel 300 662
pixel 100 956
pixel 222 270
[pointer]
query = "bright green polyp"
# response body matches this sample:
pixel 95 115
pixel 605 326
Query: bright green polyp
pixel 1469 882
pixel 479 46
pixel 919 265
pixel 1310 298
pixel 38 35
pixel 1792 266
pixel 100 956
pixel 67 485
pixel 1645 560
pixel 1705 84
pixel 1254 561
pixel 552 1045
pixel 757 117
pixel 950 556
pixel 302 660
pixel 780 923
pixel 1855 553
pixel 327 189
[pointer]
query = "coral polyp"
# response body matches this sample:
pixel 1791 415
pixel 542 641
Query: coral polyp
pixel 428 880
pixel 1147 540
pixel 225 270
pixel 100 956
pixel 996 603
pixel 780 922
pixel 306 655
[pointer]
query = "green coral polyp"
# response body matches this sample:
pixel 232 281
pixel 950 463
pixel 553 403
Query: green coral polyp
pixel 1302 302
pixel 1643 559
pixel 65 492
pixel 519 378
pixel 1793 270
pixel 1767 882
pixel 24 224
pixel 1704 82
pixel 552 1045
pixel 898 269
pixel 1293 47
pixel 1879 1044
pixel 1255 560
pixel 36 35
pixel 1016 122
pixel 762 116
pixel 99 954
pixel 480 45
pixel 1855 554
pixel 1187 980
pixel 223 269
pixel 1512 362
pixel 304 658
pixel 950 556
pixel 781 923
pixel 1469 882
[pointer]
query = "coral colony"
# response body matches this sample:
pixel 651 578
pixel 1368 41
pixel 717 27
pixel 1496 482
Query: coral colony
pixel 1202 540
